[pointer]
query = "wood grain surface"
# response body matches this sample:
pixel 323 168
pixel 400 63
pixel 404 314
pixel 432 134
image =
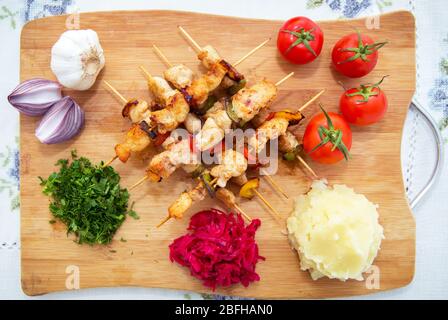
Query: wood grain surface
pixel 127 36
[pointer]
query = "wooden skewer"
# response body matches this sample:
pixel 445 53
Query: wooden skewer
pixel 123 99
pixel 245 215
pixel 196 46
pixel 198 49
pixel 168 63
pixel 303 162
pixel 118 94
pixel 213 182
pixel 247 55
pixel 139 182
pixel 269 178
pixel 251 52
pixel 284 79
pixel 235 205
pixel 311 100
pixel 162 56
pixel 146 73
pixel 276 214
pixel 163 221
pixel 275 185
pixel 108 163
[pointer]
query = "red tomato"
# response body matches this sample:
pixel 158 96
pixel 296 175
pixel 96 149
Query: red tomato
pixel 336 138
pixel 364 105
pixel 355 55
pixel 300 40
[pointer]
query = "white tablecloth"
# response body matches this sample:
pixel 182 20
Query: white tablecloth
pixel 431 278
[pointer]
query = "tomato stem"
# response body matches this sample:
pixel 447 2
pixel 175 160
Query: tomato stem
pixel 332 135
pixel 363 50
pixel 366 91
pixel 302 37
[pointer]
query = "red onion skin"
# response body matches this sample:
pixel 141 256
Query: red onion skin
pixel 29 87
pixel 69 126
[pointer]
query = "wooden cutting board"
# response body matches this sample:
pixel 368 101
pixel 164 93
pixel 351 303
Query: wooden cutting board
pixel 126 36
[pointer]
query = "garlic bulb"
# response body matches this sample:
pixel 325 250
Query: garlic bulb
pixel 77 58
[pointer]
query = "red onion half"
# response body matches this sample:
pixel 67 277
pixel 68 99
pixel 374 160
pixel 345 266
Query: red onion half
pixel 62 122
pixel 35 96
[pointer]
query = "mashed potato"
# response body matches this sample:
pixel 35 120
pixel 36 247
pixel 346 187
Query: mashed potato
pixel 335 232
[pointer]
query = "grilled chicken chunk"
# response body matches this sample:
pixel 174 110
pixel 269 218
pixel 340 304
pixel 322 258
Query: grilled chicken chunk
pixel 271 129
pixel 179 75
pixel 209 56
pixel 226 196
pixel 214 129
pixel 202 86
pixel 250 100
pixel 136 140
pixel 136 110
pixel 161 90
pixel 287 142
pixel 186 200
pixel 192 123
pixel 240 180
pixel 198 89
pixel 231 164
pixel 172 115
pixel 209 136
pixel 177 154
pixel 219 114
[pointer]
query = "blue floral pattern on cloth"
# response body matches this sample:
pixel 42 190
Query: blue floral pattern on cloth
pixel 10 163
pixel 438 95
pixel 14 172
pixel 352 7
pixel 348 8
pixel 334 5
pixel 35 9
pixel 439 101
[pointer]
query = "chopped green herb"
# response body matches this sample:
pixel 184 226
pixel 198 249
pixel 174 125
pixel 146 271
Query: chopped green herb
pixel 123 240
pixel 52 221
pixel 133 214
pixel 87 199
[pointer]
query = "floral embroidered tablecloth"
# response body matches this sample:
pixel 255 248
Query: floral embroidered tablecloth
pixel 432 93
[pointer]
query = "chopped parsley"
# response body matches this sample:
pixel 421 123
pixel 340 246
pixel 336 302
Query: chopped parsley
pixel 133 214
pixel 87 199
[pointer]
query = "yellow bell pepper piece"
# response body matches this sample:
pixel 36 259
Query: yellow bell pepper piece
pixel 246 190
